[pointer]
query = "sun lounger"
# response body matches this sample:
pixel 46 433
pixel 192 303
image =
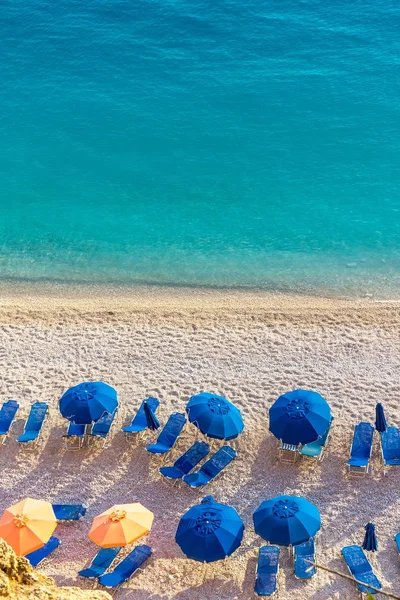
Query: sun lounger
pixel 139 422
pixel 7 416
pixel 288 452
pixel 303 553
pixel 75 437
pixel 169 434
pixel 390 443
pixel 34 424
pixel 101 562
pixel 187 461
pixel 69 512
pixel 36 557
pixel 360 568
pixel 397 540
pixel 127 567
pixel 316 449
pixel 101 429
pixel 267 571
pixel 361 449
pixel 211 468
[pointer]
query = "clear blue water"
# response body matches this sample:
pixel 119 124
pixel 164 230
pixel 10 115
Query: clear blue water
pixel 228 143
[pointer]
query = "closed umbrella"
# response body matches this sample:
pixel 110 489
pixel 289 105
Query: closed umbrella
pixel 152 422
pixel 380 419
pixel 215 416
pixel 287 520
pixel 120 525
pixel 209 531
pixel 299 417
pixel 28 525
pixel 370 542
pixel 87 402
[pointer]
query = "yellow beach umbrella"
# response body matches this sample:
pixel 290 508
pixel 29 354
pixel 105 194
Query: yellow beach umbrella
pixel 121 525
pixel 28 525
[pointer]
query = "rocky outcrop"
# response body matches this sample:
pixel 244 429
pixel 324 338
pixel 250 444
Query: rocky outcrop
pixel 19 581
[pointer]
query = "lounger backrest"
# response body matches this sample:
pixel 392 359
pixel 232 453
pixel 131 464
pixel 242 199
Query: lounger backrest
pixel 192 457
pixel 362 440
pixel 172 429
pixel 7 414
pixel 140 417
pixel 36 416
pixel 133 561
pixel 105 557
pixel 356 560
pixel 268 559
pixel 103 425
pixel 75 429
pixel 391 443
pixel 305 549
pixel 218 462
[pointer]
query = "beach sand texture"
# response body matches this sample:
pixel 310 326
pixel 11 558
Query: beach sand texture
pixel 250 348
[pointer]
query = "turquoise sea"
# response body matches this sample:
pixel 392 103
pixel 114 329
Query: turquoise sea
pixel 198 142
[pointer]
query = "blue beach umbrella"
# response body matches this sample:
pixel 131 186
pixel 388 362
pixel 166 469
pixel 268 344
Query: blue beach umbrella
pixel 215 416
pixel 370 542
pixel 86 402
pixel 209 531
pixel 380 419
pixel 152 422
pixel 287 520
pixel 299 417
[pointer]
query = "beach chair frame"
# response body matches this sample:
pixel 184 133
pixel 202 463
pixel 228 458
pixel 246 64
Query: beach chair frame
pixel 98 441
pixel 323 445
pixel 4 436
pixel 277 586
pixel 288 453
pixel 33 444
pixel 360 471
pixel 358 582
pixel 386 465
pixel 74 442
pixel 293 548
pixel 218 475
pixel 113 590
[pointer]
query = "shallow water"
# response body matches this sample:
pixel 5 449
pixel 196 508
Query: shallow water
pixel 199 143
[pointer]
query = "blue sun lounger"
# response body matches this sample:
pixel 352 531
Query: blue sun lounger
pixel 7 416
pixel 397 540
pixel 211 468
pixel 267 571
pixel 361 448
pixel 139 422
pixel 36 557
pixel 167 438
pixel 101 429
pixel 101 562
pixel 69 512
pixel 126 567
pixel 34 424
pixel 360 568
pixel 186 463
pixel 390 443
pixel 303 553
pixel 316 449
pixel 75 437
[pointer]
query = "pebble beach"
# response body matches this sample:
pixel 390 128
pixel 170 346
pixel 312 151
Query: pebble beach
pixel 172 343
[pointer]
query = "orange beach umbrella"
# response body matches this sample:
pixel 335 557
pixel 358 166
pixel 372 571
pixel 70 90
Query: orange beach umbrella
pixel 121 525
pixel 28 525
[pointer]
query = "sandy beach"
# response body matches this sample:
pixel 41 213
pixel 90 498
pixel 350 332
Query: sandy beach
pixel 248 346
